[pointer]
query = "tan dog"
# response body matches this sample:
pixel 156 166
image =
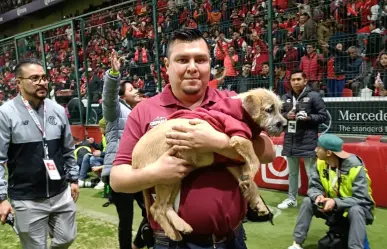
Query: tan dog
pixel 263 106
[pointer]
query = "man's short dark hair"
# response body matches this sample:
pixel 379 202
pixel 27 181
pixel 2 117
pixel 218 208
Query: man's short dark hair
pixel 21 64
pixel 266 63
pixel 298 71
pixel 186 35
pixel 281 65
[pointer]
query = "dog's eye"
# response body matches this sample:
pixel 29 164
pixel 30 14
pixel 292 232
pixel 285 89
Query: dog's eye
pixel 270 109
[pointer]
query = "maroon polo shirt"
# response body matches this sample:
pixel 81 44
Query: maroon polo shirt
pixel 211 201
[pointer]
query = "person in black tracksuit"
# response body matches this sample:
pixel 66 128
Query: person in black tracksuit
pixel 305 110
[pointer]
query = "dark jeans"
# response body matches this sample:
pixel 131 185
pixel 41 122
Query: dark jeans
pixel 124 206
pixel 237 243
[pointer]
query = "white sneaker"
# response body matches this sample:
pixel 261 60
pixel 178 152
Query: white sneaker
pixel 100 185
pixel 287 204
pixel 295 246
pixel 81 183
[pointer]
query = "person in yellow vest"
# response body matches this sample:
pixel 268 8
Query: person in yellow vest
pixel 340 187
pixel 94 159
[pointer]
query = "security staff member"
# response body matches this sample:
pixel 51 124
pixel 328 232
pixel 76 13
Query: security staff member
pixel 37 145
pixel 339 184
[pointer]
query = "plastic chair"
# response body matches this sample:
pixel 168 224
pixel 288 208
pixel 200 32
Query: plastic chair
pixel 347 92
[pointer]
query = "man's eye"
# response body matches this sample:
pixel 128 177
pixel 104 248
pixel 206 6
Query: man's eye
pixel 182 60
pixel 35 78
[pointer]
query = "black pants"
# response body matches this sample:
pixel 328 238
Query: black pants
pixel 124 206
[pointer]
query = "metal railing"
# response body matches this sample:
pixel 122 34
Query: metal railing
pixel 334 47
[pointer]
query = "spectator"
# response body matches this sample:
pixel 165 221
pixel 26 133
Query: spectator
pixel 311 66
pixel 115 111
pixel 245 81
pixel 282 77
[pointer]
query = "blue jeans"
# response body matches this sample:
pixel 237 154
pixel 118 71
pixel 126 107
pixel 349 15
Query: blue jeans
pixel 335 87
pixel 88 162
pixel 237 243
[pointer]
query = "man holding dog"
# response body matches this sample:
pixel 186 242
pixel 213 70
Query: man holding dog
pixel 339 191
pixel 210 200
pixel 305 110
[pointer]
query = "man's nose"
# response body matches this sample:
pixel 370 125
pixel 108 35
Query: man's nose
pixel 192 66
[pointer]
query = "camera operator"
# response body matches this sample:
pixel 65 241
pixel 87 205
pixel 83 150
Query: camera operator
pixel 343 179
pixel 305 110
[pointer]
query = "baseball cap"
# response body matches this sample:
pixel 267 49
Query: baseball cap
pixel 333 143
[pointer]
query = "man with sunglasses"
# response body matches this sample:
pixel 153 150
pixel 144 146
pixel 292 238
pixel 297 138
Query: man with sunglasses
pixel 36 145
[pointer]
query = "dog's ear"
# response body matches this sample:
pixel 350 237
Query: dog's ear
pixel 252 104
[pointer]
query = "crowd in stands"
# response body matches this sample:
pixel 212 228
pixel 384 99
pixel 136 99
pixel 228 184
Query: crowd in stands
pixel 340 45
pixel 7 5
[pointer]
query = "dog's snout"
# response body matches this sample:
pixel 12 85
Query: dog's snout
pixel 280 124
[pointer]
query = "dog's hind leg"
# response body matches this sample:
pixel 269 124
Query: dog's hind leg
pixel 246 150
pixel 159 211
pixel 172 215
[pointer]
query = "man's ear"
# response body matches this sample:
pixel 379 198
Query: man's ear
pixel 166 62
pixel 252 105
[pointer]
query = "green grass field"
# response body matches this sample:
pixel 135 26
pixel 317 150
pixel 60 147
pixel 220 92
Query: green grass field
pixel 97 226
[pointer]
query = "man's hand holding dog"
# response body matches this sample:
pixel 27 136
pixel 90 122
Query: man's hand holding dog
pixel 170 169
pixel 199 136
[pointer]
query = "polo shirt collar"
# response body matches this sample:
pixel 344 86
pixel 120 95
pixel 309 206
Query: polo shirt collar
pixel 168 99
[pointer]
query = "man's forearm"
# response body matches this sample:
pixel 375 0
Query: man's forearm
pixel 125 179
pixel 3 183
pixel 264 152
pixel 225 148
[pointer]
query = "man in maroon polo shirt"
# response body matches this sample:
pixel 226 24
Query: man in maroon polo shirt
pixel 210 199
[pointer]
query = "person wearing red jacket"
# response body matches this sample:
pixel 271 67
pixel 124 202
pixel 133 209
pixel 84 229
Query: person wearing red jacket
pixel 310 65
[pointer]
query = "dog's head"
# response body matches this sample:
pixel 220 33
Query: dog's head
pixel 264 107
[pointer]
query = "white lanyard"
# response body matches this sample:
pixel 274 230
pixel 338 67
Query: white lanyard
pixel 42 129
pixel 334 180
pixel 295 101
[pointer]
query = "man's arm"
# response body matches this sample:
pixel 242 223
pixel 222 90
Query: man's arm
pixel 360 194
pixel 315 188
pixel 318 105
pixel 125 179
pixel 5 137
pixel 70 165
pixel 110 103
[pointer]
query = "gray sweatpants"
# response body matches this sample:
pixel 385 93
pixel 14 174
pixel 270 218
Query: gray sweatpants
pixel 294 169
pixel 356 217
pixel 55 215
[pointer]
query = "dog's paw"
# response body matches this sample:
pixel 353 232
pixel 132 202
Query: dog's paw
pixel 244 182
pixel 260 208
pixel 175 235
pixel 183 227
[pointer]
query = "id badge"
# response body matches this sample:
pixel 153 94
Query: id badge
pixel 292 126
pixel 52 171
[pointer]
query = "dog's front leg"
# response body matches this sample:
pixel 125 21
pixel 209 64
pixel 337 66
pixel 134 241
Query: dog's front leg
pixel 245 149
pixel 251 194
